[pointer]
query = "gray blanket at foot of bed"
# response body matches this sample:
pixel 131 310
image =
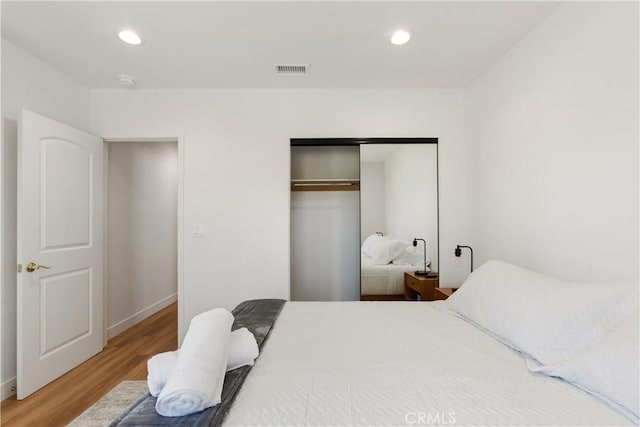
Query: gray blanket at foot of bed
pixel 258 316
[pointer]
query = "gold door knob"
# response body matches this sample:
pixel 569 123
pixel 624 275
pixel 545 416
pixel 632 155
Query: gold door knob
pixel 32 266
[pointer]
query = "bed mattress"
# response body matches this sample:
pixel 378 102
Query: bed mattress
pixel 397 363
pixel 383 279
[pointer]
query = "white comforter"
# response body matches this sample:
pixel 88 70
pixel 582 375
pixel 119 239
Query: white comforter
pixel 398 363
pixel 388 279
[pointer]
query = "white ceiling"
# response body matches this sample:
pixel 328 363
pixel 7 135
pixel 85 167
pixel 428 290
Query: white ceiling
pixel 236 44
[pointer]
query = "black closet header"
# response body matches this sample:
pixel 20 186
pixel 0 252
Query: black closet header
pixel 359 141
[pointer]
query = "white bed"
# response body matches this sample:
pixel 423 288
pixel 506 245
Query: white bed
pixel 383 262
pixel 394 363
pixel 385 279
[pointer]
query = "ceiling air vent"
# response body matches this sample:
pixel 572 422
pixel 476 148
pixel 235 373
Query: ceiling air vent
pixel 291 69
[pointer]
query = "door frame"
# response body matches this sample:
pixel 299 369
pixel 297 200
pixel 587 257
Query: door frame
pixel 143 137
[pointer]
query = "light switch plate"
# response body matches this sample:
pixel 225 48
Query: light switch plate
pixel 197 231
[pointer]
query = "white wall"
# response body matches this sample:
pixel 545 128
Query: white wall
pixel 553 147
pixel 28 83
pixel 142 230
pixel 411 186
pixel 372 199
pixel 325 162
pixel 236 170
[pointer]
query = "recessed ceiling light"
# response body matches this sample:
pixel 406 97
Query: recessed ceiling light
pixel 129 37
pixel 400 37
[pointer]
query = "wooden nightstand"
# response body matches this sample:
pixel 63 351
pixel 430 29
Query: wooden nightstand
pixel 442 293
pixel 419 288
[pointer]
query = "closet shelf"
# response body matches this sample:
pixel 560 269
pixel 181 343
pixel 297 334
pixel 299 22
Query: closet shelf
pixel 325 185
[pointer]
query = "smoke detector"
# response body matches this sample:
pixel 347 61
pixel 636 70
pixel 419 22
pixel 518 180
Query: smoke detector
pixel 292 69
pixel 127 81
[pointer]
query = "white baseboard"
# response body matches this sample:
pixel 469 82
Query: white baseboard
pixel 8 388
pixel 138 317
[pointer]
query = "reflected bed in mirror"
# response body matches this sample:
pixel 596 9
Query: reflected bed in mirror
pixel 398 203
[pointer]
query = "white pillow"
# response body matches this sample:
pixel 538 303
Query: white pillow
pixel 608 370
pixel 411 256
pixel 384 251
pixel 549 320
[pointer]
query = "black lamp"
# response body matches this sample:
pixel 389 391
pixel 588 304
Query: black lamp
pixel 423 272
pixel 458 252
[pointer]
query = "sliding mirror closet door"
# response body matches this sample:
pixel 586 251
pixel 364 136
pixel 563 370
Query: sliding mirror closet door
pixel 325 223
pixel 399 217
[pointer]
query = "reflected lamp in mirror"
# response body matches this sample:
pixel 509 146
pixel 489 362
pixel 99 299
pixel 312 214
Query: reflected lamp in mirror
pixel 458 253
pixel 424 243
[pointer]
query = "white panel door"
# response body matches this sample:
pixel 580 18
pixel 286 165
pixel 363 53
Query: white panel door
pixel 60 311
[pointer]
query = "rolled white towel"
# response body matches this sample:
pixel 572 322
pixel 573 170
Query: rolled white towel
pixel 159 368
pixel 197 378
pixel 243 351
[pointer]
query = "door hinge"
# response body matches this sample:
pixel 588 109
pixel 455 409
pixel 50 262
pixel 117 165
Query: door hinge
pixel 19 268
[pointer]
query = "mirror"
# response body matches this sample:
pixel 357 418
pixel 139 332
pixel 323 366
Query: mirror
pixel 398 203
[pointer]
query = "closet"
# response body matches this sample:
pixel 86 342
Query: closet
pixel 328 224
pixel 325 223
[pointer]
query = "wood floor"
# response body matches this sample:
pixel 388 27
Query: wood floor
pixel 124 358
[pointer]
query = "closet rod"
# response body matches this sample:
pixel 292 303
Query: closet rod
pixel 302 184
pixel 325 185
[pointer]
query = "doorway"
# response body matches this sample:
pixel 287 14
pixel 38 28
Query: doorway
pixel 141 218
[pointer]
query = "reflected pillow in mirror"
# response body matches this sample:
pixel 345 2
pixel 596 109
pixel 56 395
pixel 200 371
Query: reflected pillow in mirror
pixel 385 250
pixel 371 241
pixel 411 256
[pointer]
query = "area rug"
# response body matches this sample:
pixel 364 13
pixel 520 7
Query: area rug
pixel 111 404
